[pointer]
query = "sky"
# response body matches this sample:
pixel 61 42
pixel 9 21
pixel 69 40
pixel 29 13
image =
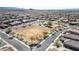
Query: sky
pixel 40 4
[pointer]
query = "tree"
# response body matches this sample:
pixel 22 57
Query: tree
pixel 21 38
pixel 49 24
pixel 57 43
pixel 45 34
pixel 32 38
pixel 8 30
pixel 23 26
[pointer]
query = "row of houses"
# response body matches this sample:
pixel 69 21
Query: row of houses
pixel 20 22
pixel 70 39
pixel 70 21
pixel 3 26
pixel 13 21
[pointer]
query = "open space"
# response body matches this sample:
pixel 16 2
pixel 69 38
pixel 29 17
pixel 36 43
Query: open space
pixel 31 34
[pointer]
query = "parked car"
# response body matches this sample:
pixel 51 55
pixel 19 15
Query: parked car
pixel 53 33
pixel 10 37
pixel 60 29
pixel 38 46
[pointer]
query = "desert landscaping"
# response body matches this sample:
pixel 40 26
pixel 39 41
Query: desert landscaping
pixel 31 34
pixel 34 33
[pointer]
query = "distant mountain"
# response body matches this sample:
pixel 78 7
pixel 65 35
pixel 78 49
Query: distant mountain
pixel 11 8
pixel 40 11
pixel 50 11
pixel 66 10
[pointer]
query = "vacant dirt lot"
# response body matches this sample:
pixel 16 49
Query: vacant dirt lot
pixel 31 34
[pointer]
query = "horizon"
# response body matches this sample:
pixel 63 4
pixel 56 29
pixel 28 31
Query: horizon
pixel 42 9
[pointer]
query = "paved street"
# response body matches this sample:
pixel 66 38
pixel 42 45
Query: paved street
pixel 47 42
pixel 19 46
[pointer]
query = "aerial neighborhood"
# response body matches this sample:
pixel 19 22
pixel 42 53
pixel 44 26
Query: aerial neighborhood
pixel 39 30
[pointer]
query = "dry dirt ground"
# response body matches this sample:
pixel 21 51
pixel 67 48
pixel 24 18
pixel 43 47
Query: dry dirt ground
pixel 30 32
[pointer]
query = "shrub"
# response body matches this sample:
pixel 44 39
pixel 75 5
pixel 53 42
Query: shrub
pixel 57 43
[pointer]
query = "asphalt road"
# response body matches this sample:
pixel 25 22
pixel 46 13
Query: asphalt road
pixel 19 46
pixel 47 42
